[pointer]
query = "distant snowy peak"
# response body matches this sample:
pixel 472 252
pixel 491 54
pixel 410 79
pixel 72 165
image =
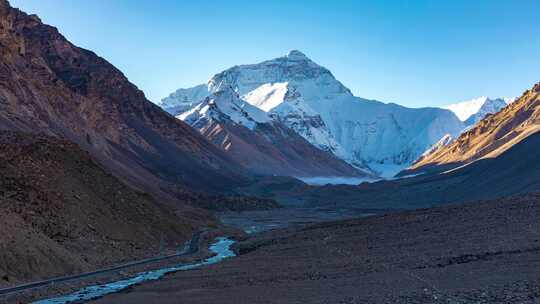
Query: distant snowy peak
pixel 465 109
pixel 225 104
pixel 491 106
pixel 184 99
pixel 474 110
pixel 296 55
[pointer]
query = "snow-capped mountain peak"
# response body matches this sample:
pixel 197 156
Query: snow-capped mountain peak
pixel 264 83
pixel 296 54
pixel 474 110
pixel 295 68
pixel 308 99
pixel 465 109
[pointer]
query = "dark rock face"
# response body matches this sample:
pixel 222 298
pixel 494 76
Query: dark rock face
pixel 536 87
pixel 49 85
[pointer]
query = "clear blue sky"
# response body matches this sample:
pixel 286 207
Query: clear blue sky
pixel 415 53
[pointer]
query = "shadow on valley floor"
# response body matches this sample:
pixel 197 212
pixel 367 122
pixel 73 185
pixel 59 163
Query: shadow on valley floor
pixel 451 254
pixel 514 172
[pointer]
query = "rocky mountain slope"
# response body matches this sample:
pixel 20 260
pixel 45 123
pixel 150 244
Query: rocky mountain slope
pixel 61 213
pixel 490 137
pixel 49 85
pixel 308 99
pixel 263 145
pixel 472 111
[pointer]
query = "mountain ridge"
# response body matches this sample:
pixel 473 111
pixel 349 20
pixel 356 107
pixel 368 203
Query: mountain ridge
pixel 265 146
pixel 53 86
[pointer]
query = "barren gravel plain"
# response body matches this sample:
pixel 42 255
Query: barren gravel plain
pixel 481 252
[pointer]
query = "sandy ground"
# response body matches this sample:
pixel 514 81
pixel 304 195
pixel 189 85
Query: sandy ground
pixel 486 252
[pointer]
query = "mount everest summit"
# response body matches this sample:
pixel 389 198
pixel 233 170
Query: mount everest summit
pixel 373 136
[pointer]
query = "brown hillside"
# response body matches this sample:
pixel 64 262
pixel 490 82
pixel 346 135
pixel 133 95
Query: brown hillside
pixel 49 85
pixel 62 213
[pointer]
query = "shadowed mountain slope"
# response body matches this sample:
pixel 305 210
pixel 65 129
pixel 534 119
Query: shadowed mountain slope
pixel 49 85
pixel 62 213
